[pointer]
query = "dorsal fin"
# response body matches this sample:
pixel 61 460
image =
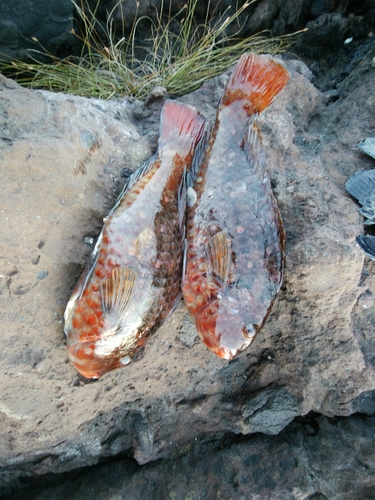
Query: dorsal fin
pixel 219 254
pixel 198 156
pixel 257 79
pixel 181 200
pixel 134 177
pixel 116 291
pixel 184 257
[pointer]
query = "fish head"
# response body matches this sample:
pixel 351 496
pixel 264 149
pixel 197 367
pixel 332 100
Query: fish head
pixel 102 324
pixel 222 327
pixel 91 365
pixel 104 347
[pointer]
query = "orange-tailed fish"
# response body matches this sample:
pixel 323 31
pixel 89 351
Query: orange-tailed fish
pixel 133 279
pixel 235 253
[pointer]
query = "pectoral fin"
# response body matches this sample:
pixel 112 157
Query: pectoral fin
pixel 219 255
pixel 117 290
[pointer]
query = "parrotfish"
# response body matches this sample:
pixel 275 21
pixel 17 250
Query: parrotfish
pixel 235 236
pixel 133 280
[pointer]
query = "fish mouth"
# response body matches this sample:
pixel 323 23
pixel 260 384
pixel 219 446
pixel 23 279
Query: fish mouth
pixel 222 329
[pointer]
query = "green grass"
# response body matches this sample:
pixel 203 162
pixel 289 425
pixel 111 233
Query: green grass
pixel 179 55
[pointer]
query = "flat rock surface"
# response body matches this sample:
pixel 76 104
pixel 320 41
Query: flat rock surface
pixel 61 162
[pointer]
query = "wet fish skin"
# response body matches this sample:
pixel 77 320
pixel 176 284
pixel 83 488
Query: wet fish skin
pixel 132 281
pixel 235 252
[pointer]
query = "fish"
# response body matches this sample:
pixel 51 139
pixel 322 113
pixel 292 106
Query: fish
pixel 234 260
pixel 132 282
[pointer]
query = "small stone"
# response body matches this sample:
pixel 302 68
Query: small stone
pixel 88 140
pixel 42 274
pixel 35 260
pixel 156 93
pixel 76 382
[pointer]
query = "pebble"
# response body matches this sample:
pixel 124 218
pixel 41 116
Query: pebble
pixel 42 274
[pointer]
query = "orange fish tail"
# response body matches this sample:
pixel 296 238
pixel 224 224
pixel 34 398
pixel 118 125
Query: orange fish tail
pixel 181 127
pixel 180 121
pixel 257 79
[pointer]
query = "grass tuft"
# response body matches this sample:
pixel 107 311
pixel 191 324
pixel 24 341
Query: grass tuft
pixel 178 55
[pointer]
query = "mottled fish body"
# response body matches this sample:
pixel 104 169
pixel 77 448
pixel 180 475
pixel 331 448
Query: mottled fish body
pixel 133 279
pixel 235 252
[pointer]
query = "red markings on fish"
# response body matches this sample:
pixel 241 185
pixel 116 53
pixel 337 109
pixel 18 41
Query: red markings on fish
pixel 235 251
pixel 132 281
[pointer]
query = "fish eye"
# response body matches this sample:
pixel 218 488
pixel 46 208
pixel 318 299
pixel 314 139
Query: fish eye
pixel 249 330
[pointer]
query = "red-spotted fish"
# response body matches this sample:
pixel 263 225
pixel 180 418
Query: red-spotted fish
pixel 133 279
pixel 235 253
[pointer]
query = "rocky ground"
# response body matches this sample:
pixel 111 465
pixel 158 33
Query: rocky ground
pixel 274 423
pixel 314 458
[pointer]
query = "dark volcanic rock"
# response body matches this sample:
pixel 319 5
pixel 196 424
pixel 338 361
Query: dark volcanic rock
pixel 329 22
pixel 50 22
pixel 61 160
pixel 315 458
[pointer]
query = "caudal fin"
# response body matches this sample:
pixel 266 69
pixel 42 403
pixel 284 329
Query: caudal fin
pixel 181 121
pixel 257 79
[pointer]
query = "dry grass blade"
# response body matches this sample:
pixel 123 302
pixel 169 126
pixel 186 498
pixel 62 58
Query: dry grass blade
pixel 179 59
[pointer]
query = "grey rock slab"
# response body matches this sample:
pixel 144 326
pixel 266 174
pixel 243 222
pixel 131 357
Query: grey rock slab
pixel 315 458
pixel 61 161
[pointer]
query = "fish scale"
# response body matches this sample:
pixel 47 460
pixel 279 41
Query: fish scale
pixel 132 281
pixel 235 251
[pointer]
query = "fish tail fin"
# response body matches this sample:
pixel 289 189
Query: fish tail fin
pixel 257 79
pixel 182 123
pixel 181 127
